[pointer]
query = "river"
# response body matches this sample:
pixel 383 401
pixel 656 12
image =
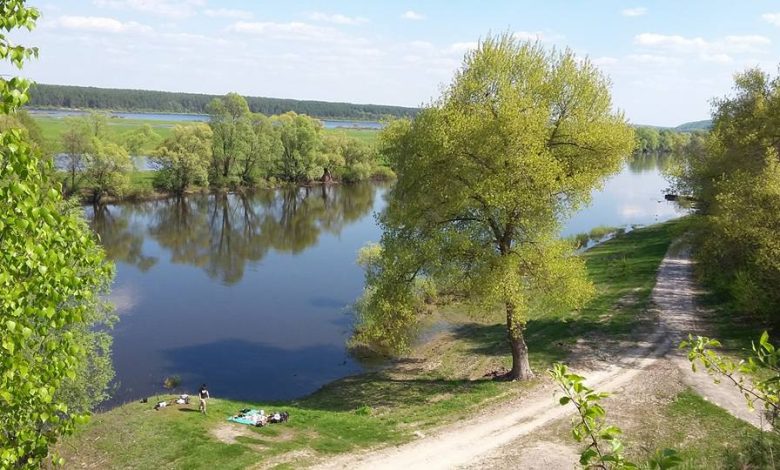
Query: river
pixel 251 294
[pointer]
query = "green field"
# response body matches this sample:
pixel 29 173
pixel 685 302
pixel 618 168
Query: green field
pixel 439 384
pixel 53 128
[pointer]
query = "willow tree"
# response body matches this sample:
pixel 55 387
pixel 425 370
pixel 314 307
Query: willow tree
pixel 52 273
pixel 183 158
pixel 486 174
pixel 231 126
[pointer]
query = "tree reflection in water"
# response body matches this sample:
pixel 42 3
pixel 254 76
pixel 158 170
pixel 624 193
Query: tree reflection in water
pixel 122 240
pixel 222 232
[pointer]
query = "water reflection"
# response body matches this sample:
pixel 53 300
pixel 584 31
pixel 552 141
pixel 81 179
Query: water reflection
pixel 651 162
pixel 220 233
pixel 122 240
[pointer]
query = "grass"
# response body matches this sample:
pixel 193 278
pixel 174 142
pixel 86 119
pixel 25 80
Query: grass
pixel 53 128
pixel 442 382
pixel 142 181
pixel 709 437
pixel 623 270
pixel 367 136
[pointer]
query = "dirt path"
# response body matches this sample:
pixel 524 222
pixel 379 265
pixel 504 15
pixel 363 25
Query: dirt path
pixel 674 296
pixel 460 445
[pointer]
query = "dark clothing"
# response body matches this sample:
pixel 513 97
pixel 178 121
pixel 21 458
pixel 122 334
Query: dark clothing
pixel 203 392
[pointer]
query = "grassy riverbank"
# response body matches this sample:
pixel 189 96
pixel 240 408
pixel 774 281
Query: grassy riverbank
pixel 440 382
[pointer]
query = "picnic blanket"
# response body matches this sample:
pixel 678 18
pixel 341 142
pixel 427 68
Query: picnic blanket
pixel 250 417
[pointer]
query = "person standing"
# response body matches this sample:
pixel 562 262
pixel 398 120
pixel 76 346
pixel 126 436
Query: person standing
pixel 203 394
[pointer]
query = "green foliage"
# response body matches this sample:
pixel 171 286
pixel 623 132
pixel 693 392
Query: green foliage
pixel 172 382
pixel 15 15
pixel 135 140
pixel 264 153
pixel 764 358
pixel 485 176
pixel 21 119
pixel 734 174
pixel 348 158
pixel 232 134
pixel 62 96
pixel 604 448
pixel 52 273
pixel 246 149
pixel 75 143
pixel 184 158
pixel 652 140
pixel 301 158
pixel 108 168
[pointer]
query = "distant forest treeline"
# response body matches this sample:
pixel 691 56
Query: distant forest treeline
pixel 695 126
pixel 61 96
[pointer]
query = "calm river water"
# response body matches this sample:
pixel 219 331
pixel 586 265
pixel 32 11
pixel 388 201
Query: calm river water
pixel 250 294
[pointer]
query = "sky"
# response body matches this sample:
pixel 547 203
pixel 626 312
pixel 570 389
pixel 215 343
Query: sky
pixel 666 59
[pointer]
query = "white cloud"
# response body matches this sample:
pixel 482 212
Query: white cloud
pixel 773 18
pixel 669 41
pixel 293 30
pixel 99 24
pixel 528 35
pixel 229 13
pixel 421 45
pixel 715 50
pixel 653 59
pixel 166 8
pixel 461 47
pixel 638 11
pixel 604 61
pixel 717 58
pixel 747 43
pixel 337 18
pixel 412 15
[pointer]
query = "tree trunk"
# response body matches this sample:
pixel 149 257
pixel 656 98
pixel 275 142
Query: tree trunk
pixel 326 176
pixel 521 369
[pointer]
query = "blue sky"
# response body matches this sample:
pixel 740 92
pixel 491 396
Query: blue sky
pixel 666 59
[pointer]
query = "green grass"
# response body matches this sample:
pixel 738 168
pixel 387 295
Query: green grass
pixel 53 128
pixel 441 383
pixel 368 136
pixel 623 271
pixel 706 436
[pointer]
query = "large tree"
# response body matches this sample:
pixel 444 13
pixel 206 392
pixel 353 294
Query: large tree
pixel 485 176
pixel 76 142
pixel 184 158
pixel 230 121
pixel 108 168
pixel 265 149
pixel 734 174
pixel 301 158
pixel 52 275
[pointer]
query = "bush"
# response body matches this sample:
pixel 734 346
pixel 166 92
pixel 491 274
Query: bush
pixel 383 173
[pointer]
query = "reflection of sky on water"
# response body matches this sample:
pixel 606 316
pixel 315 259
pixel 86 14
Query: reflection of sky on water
pixel 627 198
pixel 246 294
